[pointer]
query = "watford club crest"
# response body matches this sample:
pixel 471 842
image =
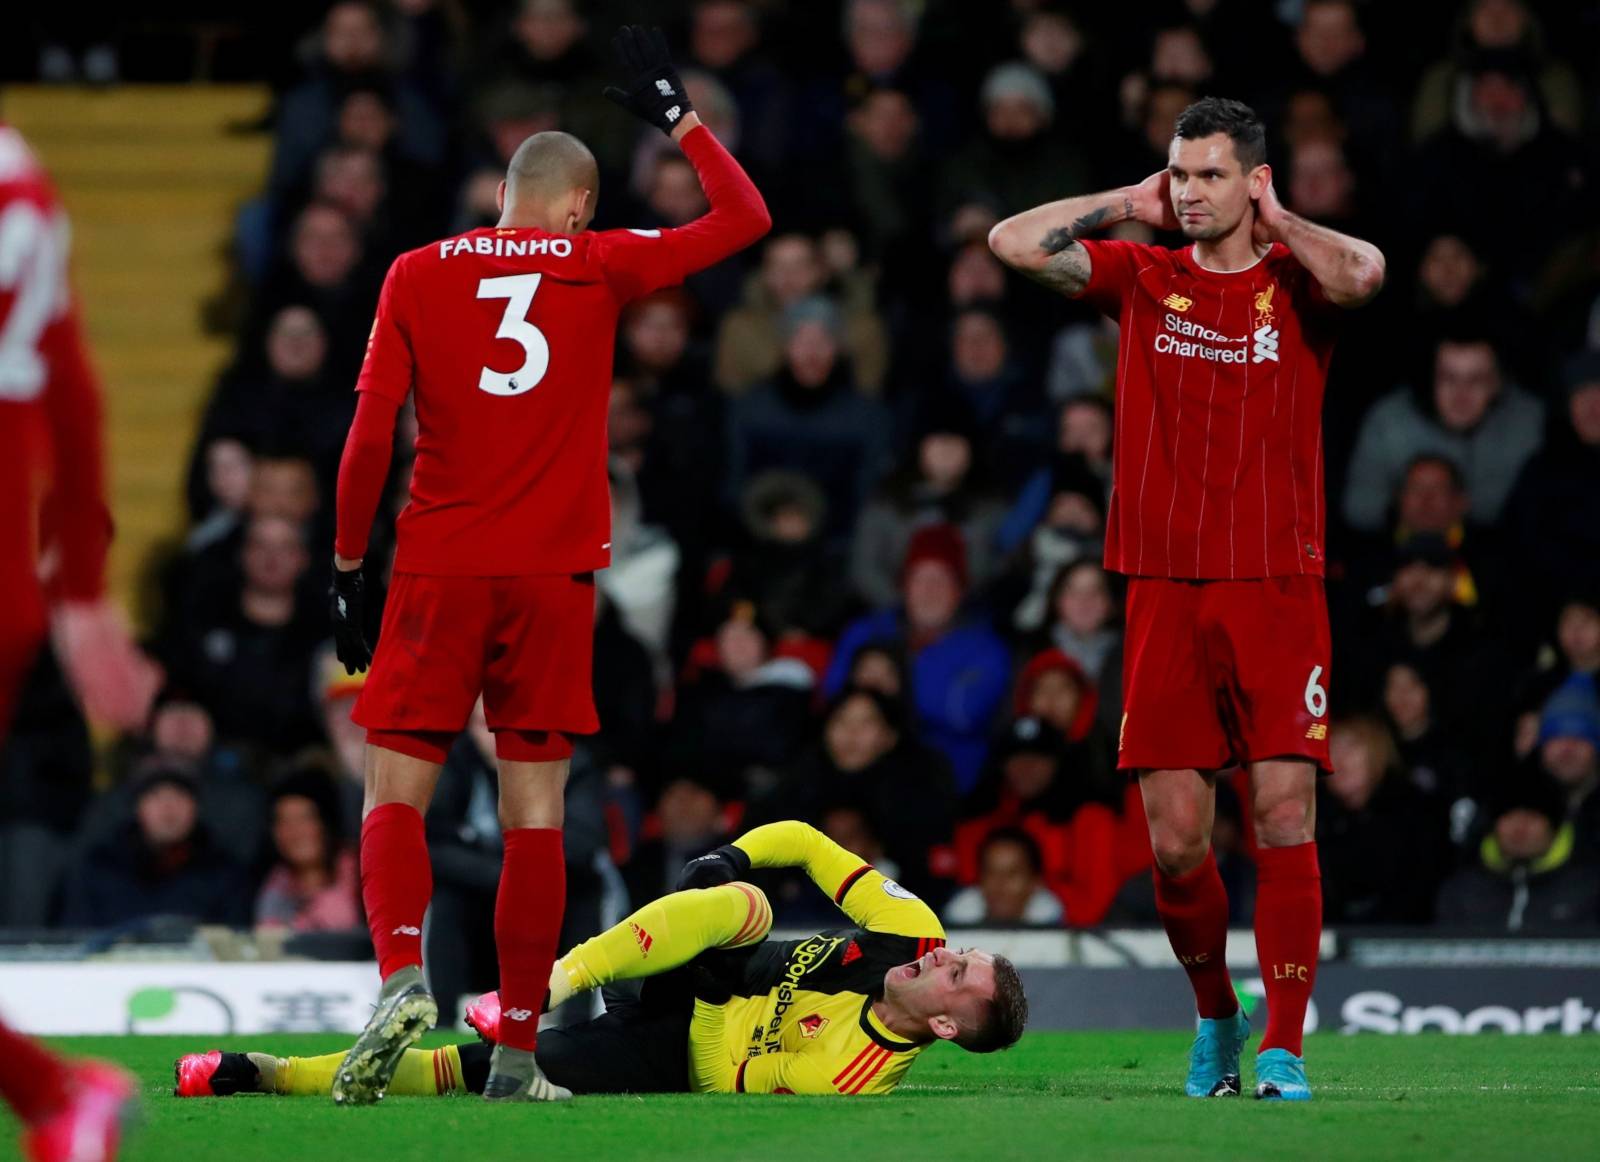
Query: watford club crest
pixel 812 1025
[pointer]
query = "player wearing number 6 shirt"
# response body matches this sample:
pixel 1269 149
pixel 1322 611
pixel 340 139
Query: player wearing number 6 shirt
pixel 1217 519
pixel 503 338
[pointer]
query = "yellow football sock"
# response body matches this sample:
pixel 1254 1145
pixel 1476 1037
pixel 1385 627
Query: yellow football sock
pixel 662 935
pixel 422 1073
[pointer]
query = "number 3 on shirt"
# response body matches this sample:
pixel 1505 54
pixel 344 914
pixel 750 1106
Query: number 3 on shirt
pixel 519 290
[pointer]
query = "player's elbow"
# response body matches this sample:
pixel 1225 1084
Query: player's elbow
pixel 1371 275
pixel 1004 243
pixel 1364 280
pixel 761 219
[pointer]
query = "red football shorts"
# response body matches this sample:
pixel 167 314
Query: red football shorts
pixel 525 643
pixel 1219 673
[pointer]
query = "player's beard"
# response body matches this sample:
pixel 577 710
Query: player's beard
pixel 1209 230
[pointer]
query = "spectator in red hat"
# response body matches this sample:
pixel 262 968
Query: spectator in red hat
pixel 959 665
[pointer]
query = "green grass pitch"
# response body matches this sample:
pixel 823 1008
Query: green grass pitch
pixel 1057 1095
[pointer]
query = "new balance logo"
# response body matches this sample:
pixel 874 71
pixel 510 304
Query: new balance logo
pixel 664 88
pixel 406 930
pixel 517 1014
pixel 1265 346
pixel 1177 302
pixel 1317 732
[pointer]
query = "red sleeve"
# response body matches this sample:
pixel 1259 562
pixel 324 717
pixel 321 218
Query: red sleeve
pixel 1113 266
pixel 362 471
pixel 78 516
pixel 637 262
pixel 389 362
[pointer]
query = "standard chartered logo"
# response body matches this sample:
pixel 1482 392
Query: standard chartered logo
pixel 1191 340
pixel 1265 346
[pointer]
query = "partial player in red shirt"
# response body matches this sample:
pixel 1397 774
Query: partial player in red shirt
pixel 54 532
pixel 503 338
pixel 1217 518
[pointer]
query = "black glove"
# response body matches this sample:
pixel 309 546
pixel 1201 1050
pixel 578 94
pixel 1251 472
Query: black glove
pixel 654 91
pixel 707 985
pixel 347 605
pixel 721 866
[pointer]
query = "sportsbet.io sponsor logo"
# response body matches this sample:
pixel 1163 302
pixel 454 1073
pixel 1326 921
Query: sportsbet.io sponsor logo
pixel 802 960
pixel 1375 1011
pixel 1379 1011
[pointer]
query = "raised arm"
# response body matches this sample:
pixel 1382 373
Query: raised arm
pixel 655 94
pixel 864 894
pixel 738 214
pixel 1349 271
pixel 1042 243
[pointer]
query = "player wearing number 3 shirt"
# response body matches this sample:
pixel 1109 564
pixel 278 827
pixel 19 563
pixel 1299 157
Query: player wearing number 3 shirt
pixel 1217 519
pixel 502 337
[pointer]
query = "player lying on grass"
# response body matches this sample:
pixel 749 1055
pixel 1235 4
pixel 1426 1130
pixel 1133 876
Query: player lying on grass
pixel 722 1009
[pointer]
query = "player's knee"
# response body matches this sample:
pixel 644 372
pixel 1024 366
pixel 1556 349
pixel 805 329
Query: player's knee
pixel 1283 822
pixel 1176 852
pixel 754 913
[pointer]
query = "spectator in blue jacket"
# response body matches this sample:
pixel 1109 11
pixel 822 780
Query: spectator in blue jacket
pixel 960 668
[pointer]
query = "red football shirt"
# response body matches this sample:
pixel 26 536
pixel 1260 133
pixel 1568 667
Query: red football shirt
pixel 505 337
pixel 51 469
pixel 1217 468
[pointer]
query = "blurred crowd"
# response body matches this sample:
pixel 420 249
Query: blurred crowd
pixel 859 474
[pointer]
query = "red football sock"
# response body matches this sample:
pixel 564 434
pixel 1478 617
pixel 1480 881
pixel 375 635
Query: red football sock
pixel 527 927
pixel 1288 934
pixel 32 1079
pixel 1194 911
pixel 396 883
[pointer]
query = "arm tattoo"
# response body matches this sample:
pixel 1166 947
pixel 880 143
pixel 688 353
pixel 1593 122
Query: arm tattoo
pixel 1067 269
pixel 1064 236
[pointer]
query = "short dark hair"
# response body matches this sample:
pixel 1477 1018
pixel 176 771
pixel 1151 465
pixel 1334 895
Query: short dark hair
pixel 1211 115
pixel 1006 1016
pixel 1018 837
pixel 1458 479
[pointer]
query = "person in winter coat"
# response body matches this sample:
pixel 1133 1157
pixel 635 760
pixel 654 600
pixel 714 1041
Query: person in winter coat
pixel 1470 414
pixel 1569 752
pixel 163 861
pixel 740 718
pixel 1033 782
pixel 1071 530
pixel 785 566
pixel 1010 890
pixel 642 579
pixel 1551 520
pixel 811 418
pixel 943 484
pixel 752 337
pixel 959 665
pixel 314 884
pixel 1383 844
pixel 1529 877
pixel 867 757
pixel 1056 689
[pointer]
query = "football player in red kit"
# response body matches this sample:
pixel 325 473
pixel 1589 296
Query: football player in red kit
pixel 54 532
pixel 503 338
pixel 1217 519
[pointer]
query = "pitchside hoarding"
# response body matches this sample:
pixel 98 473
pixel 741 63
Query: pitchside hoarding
pixel 1347 999
pixel 222 1000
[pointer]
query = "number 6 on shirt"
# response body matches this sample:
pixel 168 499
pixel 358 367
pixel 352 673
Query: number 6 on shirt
pixel 514 325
